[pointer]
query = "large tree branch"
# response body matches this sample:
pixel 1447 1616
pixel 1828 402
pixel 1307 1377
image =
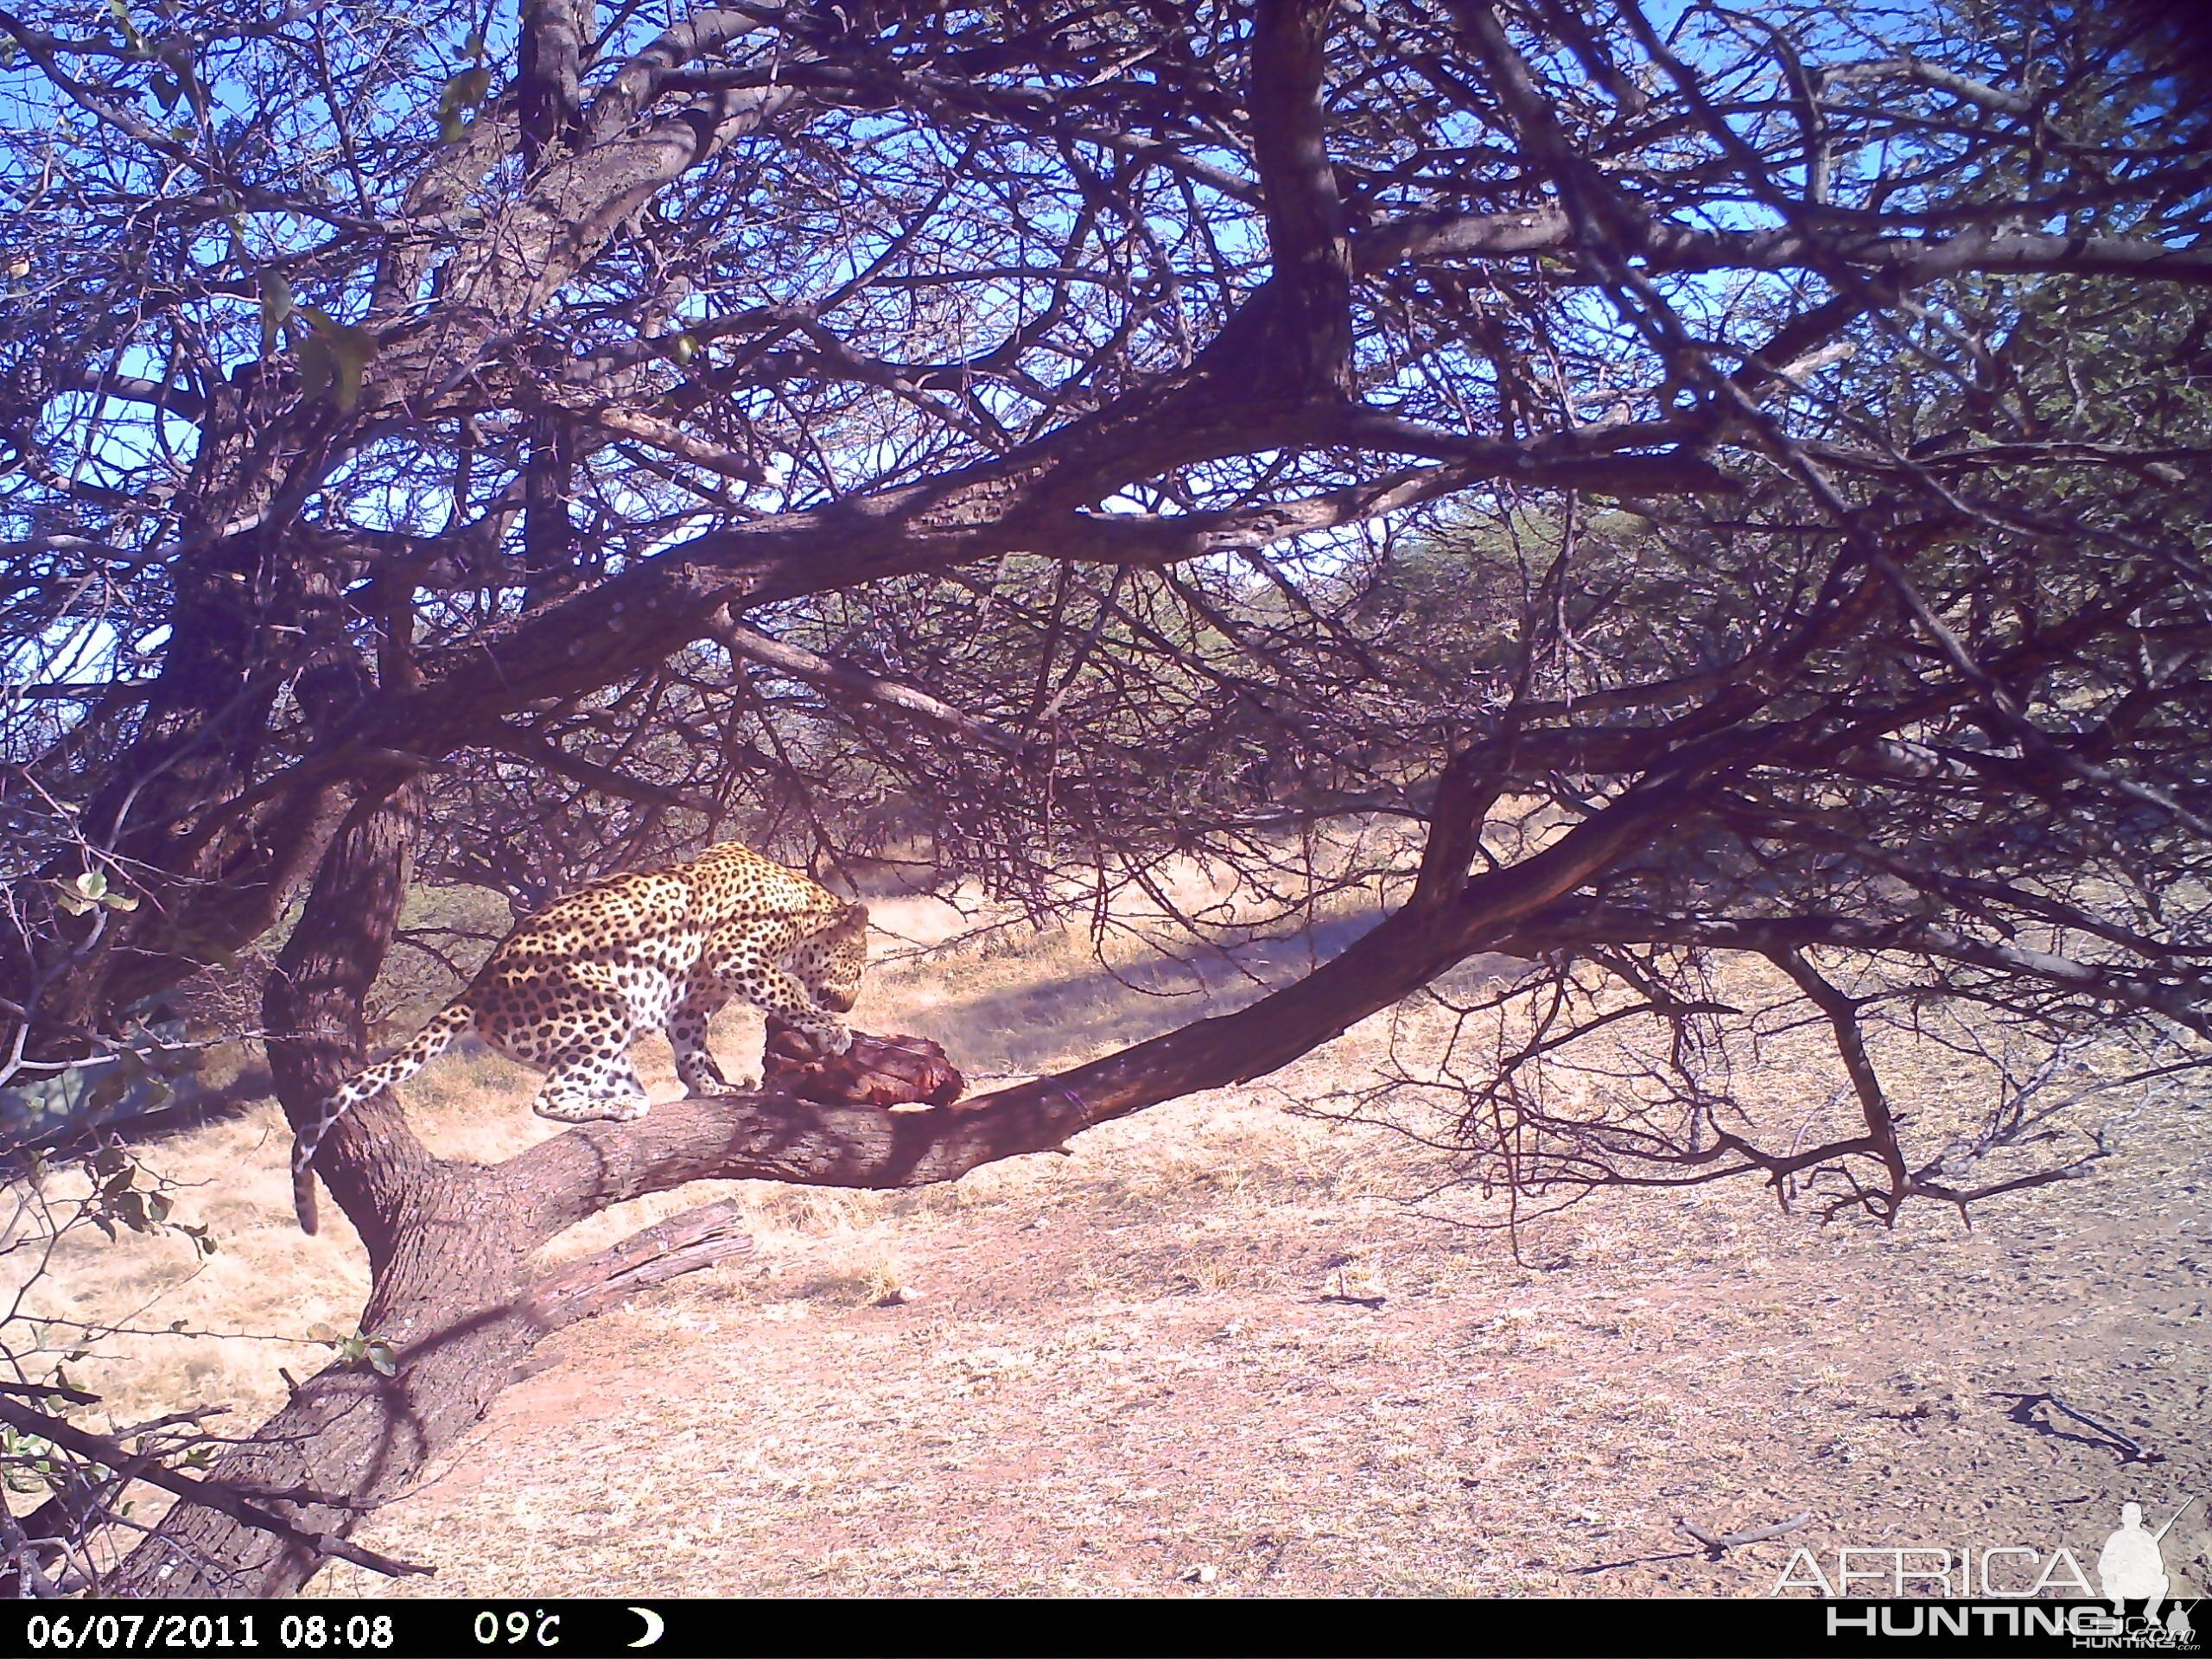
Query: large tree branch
pixel 1908 261
pixel 312 1005
pixel 641 80
pixel 1573 926
pixel 640 617
pixel 526 744
pixel 524 255
pixel 215 1495
pixel 1306 232
pixel 208 1494
pixel 548 63
pixel 859 683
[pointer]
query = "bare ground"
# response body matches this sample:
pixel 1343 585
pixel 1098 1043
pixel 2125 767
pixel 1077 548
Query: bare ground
pixel 1142 1368
pixel 1109 1384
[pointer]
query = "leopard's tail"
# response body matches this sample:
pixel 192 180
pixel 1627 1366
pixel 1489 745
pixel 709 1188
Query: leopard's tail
pixel 449 1022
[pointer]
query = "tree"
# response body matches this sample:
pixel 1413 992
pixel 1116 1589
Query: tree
pixel 1735 485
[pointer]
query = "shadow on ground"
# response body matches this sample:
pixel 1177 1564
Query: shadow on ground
pixel 1044 1021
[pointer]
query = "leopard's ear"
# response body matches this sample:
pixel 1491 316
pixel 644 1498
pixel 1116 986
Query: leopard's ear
pixel 854 916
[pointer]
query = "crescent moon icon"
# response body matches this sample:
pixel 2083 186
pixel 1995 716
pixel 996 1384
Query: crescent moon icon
pixel 655 1627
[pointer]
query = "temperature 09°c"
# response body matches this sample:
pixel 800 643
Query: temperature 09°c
pixel 518 1629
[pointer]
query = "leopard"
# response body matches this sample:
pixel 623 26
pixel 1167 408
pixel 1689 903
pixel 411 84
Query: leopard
pixel 566 991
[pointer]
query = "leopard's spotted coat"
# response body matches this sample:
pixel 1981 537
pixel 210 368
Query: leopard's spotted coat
pixel 567 990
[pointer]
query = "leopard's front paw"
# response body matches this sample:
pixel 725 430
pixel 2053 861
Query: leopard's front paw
pixel 835 1039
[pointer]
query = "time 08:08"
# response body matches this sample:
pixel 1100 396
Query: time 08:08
pixel 204 1633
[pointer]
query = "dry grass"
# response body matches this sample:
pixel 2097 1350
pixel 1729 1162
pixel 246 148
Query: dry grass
pixel 1134 1369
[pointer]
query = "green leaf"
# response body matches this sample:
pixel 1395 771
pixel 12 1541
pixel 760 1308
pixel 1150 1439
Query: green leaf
pixel 276 307
pixel 457 98
pixel 131 37
pixel 90 889
pixel 335 359
pixel 317 368
pixel 382 1360
pixel 352 348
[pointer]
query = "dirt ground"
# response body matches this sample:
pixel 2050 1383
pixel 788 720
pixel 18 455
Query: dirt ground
pixel 1122 1378
pixel 1222 1349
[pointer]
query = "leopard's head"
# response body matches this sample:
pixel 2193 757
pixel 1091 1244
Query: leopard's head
pixel 843 959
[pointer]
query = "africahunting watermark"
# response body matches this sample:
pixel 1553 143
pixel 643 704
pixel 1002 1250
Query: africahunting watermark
pixel 1992 1591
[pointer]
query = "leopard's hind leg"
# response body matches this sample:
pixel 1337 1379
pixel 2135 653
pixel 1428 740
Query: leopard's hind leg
pixel 590 1086
pixel 577 1030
